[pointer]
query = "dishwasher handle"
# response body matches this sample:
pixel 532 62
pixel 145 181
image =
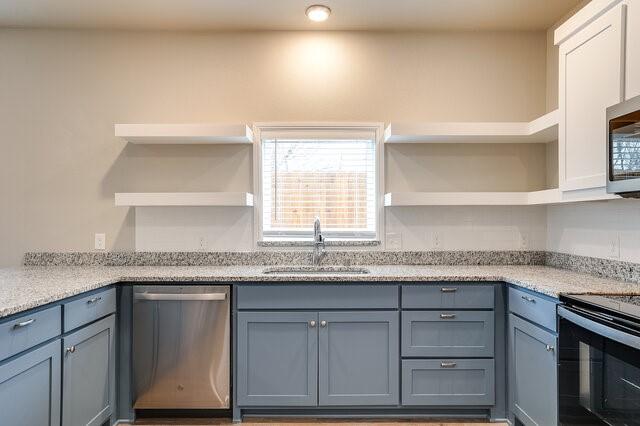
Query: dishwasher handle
pixel 178 297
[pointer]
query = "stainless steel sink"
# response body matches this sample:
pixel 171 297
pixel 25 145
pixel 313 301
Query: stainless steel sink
pixel 326 270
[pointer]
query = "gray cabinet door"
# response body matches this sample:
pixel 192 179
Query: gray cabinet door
pixel 88 380
pixel 277 359
pixel 358 358
pixel 30 388
pixel 463 334
pixel 533 373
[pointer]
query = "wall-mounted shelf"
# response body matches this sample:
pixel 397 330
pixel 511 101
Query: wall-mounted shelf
pixel 547 196
pixel 195 199
pixel 185 133
pixel 541 130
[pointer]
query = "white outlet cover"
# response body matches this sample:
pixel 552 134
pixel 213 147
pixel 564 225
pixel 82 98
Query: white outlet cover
pixel 100 241
pixel 393 241
pixel 614 246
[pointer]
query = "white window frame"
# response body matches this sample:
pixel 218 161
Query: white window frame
pixel 376 128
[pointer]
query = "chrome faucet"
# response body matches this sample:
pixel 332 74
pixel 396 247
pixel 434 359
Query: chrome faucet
pixel 318 243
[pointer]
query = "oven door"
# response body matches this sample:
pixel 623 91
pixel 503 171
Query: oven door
pixel 599 370
pixel 623 148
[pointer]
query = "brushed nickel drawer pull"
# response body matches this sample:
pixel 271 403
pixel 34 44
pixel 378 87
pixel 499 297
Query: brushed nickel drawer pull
pixel 529 299
pixel 449 289
pixel 70 349
pixel 447 316
pixel 94 300
pixel 24 323
pixel 312 323
pixel 448 365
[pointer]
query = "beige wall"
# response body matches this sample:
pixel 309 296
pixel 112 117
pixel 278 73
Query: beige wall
pixel 62 91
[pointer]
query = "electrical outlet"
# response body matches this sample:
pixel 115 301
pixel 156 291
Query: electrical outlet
pixel 524 240
pixel 394 241
pixel 202 244
pixel 100 241
pixel 614 246
pixel 436 241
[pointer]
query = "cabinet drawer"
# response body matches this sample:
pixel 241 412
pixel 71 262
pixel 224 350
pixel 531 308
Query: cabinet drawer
pixel 536 308
pixel 25 331
pixel 89 308
pixel 447 334
pixel 447 295
pixel 448 382
pixel 299 296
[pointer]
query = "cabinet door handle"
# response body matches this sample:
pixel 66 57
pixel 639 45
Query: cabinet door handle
pixel 449 289
pixel 70 349
pixel 312 323
pixel 550 348
pixel 448 365
pixel 323 323
pixel 447 316
pixel 93 300
pixel 24 323
pixel 528 299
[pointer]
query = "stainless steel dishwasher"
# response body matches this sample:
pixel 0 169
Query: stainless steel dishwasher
pixel 181 344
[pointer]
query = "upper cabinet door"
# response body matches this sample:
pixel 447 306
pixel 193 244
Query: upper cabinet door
pixel 88 378
pixel 591 79
pixel 358 358
pixel 632 87
pixel 277 359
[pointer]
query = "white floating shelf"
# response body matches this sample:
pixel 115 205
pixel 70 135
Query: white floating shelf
pixel 185 133
pixel 196 199
pixel 541 130
pixel 547 196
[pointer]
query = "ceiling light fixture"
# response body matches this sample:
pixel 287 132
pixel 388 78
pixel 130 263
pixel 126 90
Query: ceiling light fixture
pixel 318 12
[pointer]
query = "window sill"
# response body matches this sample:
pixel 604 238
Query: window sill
pixel 328 243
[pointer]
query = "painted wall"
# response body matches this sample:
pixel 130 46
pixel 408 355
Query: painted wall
pixel 607 229
pixel 62 91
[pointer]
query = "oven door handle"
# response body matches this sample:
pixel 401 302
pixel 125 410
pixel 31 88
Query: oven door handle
pixel 599 328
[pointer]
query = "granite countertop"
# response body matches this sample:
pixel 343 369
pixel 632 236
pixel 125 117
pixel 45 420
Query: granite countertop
pixel 32 286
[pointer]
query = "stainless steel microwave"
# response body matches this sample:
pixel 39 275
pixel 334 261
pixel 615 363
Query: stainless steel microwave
pixel 623 148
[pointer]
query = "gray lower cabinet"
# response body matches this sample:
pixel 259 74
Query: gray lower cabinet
pixel 88 380
pixel 445 382
pixel 358 358
pixel 533 373
pixel 308 359
pixel 30 388
pixel 277 358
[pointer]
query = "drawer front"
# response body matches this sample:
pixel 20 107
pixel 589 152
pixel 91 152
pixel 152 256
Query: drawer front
pixel 299 296
pixel 447 334
pixel 89 308
pixel 536 308
pixel 448 382
pixel 447 295
pixel 23 332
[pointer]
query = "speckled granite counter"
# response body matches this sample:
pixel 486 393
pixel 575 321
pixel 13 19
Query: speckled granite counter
pixel 29 287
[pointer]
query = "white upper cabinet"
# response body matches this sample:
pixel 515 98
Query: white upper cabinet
pixel 592 78
pixel 633 50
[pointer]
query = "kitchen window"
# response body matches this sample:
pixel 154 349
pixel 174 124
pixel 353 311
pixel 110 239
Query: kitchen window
pixel 328 173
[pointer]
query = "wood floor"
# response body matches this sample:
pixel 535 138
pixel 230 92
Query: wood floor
pixel 295 422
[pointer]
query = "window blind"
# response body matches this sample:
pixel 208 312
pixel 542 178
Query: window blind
pixel 333 179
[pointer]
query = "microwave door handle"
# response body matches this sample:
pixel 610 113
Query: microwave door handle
pixel 600 328
pixel 181 296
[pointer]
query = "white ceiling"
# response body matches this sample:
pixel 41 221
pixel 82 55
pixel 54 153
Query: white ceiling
pixel 285 14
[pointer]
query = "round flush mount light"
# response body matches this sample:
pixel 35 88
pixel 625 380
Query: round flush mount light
pixel 318 12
